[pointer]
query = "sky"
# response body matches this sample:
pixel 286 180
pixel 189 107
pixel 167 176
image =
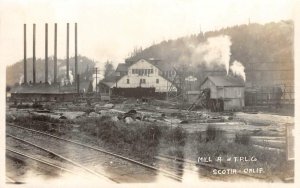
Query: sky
pixel 110 30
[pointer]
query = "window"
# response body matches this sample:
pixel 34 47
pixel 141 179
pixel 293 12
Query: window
pixel 128 81
pixel 142 81
pixel 142 71
pixel 157 81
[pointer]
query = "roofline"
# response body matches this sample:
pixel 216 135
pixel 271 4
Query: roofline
pixel 153 65
pixel 220 86
pixel 204 81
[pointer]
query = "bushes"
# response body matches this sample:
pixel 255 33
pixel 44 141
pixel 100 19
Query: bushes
pixel 44 118
pixel 242 139
pixel 176 136
pixel 213 134
pixel 139 139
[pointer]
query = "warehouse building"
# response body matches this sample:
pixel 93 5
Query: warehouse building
pixel 147 75
pixel 226 92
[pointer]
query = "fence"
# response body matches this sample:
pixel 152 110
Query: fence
pixel 269 95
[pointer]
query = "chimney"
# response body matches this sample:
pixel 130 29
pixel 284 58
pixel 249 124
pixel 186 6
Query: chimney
pixel 46 53
pixel 33 56
pixel 76 65
pixel 55 53
pixel 68 52
pixel 25 60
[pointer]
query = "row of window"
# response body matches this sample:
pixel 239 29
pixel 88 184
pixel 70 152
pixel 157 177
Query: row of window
pixel 169 73
pixel 142 71
pixel 142 81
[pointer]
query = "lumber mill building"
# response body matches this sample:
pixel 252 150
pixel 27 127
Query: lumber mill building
pixel 227 92
pixel 32 91
pixel 139 78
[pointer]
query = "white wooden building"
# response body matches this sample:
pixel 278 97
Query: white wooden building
pixel 142 73
pixel 226 88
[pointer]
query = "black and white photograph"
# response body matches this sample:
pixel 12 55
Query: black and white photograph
pixel 153 92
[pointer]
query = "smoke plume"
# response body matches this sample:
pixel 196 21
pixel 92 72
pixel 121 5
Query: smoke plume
pixel 238 69
pixel 71 78
pixel 62 73
pixel 214 52
pixel 21 79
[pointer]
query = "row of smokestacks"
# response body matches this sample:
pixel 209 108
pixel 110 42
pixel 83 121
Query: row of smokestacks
pixel 46 54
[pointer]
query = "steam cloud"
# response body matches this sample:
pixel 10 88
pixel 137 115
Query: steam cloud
pixel 71 78
pixel 214 52
pixel 238 69
pixel 64 81
pixel 21 79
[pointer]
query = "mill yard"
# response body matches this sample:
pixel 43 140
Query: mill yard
pixel 167 140
pixel 149 120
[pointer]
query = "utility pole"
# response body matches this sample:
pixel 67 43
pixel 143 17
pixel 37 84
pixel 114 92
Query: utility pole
pixel 96 72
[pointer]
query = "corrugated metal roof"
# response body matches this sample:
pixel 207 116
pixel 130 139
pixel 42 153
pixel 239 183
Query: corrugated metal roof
pixel 228 81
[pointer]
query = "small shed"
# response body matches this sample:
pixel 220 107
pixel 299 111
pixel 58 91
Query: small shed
pixel 227 90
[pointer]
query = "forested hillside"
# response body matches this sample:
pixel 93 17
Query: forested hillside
pixel 252 43
pixel 14 73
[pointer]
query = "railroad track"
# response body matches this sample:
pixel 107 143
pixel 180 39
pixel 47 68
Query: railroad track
pixel 46 157
pixel 117 167
pixel 47 166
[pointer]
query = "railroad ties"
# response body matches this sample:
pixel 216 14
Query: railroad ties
pixel 116 168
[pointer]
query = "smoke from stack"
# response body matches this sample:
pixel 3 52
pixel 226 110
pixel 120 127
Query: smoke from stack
pixel 71 77
pixel 21 79
pixel 213 53
pixel 238 69
pixel 65 80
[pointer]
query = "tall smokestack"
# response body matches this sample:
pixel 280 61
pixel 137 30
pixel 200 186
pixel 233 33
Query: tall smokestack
pixel 33 56
pixel 76 65
pixel 46 53
pixel 55 53
pixel 25 61
pixel 68 52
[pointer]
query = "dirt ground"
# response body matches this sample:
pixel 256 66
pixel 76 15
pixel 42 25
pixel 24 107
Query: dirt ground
pixel 265 130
